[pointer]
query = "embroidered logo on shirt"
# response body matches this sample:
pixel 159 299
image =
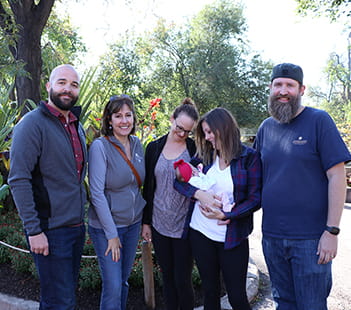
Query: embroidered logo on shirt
pixel 300 141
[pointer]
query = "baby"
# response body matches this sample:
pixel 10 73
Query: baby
pixel 186 172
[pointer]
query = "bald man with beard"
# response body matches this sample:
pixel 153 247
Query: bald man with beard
pixel 48 165
pixel 303 193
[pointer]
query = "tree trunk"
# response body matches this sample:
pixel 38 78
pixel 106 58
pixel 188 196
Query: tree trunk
pixel 31 19
pixel 29 51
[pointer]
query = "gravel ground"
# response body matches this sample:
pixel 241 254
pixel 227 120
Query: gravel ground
pixel 340 297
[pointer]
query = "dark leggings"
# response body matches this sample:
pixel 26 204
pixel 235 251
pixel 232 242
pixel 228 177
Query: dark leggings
pixel 176 262
pixel 211 259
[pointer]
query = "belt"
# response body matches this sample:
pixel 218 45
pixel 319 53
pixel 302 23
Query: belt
pixel 76 225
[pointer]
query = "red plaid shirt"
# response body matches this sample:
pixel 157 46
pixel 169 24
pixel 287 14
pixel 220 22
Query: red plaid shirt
pixel 73 135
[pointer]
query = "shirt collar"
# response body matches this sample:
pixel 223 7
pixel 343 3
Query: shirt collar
pixel 58 114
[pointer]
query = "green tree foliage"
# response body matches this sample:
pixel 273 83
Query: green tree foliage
pixel 9 66
pixel 211 62
pixel 8 115
pixel 207 59
pixel 126 69
pixel 224 73
pixel 120 69
pixel 60 43
pixel 330 8
pixel 336 100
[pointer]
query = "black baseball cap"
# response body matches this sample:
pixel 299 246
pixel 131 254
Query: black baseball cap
pixel 288 70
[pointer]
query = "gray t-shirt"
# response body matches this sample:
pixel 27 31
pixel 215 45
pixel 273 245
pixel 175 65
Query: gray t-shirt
pixel 170 207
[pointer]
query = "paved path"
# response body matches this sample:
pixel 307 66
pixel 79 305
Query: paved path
pixel 340 297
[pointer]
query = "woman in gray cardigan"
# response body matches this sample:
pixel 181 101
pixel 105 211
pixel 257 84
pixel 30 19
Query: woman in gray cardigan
pixel 116 202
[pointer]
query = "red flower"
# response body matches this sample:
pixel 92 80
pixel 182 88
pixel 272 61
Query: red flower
pixel 155 102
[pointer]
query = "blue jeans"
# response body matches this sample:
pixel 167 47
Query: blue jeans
pixel 59 271
pixel 298 281
pixel 115 275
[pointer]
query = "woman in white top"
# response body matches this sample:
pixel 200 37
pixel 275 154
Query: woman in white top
pixel 222 246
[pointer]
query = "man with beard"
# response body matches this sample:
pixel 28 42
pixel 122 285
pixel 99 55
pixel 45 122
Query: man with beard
pixel 303 193
pixel 48 164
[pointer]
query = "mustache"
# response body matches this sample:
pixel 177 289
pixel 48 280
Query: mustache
pixel 66 94
pixel 280 97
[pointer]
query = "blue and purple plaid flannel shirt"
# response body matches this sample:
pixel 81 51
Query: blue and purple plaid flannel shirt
pixel 246 175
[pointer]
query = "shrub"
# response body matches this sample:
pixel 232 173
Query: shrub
pixel 89 275
pixel 136 276
pixel 4 255
pixel 11 232
pixel 22 262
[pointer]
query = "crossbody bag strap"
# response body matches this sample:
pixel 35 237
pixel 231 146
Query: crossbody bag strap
pixel 137 176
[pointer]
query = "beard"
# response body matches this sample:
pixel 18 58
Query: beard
pixel 62 104
pixel 286 111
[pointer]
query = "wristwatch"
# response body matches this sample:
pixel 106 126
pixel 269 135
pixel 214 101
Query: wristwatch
pixel 333 230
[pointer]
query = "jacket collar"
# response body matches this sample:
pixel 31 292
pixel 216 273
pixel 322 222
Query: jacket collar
pixel 76 110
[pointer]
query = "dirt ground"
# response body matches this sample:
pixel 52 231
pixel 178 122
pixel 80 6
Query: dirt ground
pixel 26 287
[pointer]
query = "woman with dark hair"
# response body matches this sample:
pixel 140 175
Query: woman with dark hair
pixel 116 172
pixel 222 246
pixel 166 210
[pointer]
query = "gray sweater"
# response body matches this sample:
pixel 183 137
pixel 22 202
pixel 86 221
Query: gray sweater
pixel 43 175
pixel 115 195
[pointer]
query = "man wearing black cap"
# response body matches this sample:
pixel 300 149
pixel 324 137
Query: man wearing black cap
pixel 303 193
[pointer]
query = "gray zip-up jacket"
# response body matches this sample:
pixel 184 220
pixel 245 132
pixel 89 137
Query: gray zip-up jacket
pixel 115 194
pixel 43 175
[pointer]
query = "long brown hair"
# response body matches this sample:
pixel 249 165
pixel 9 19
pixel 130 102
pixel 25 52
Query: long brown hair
pixel 227 135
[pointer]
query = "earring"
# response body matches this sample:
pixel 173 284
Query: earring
pixel 110 127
